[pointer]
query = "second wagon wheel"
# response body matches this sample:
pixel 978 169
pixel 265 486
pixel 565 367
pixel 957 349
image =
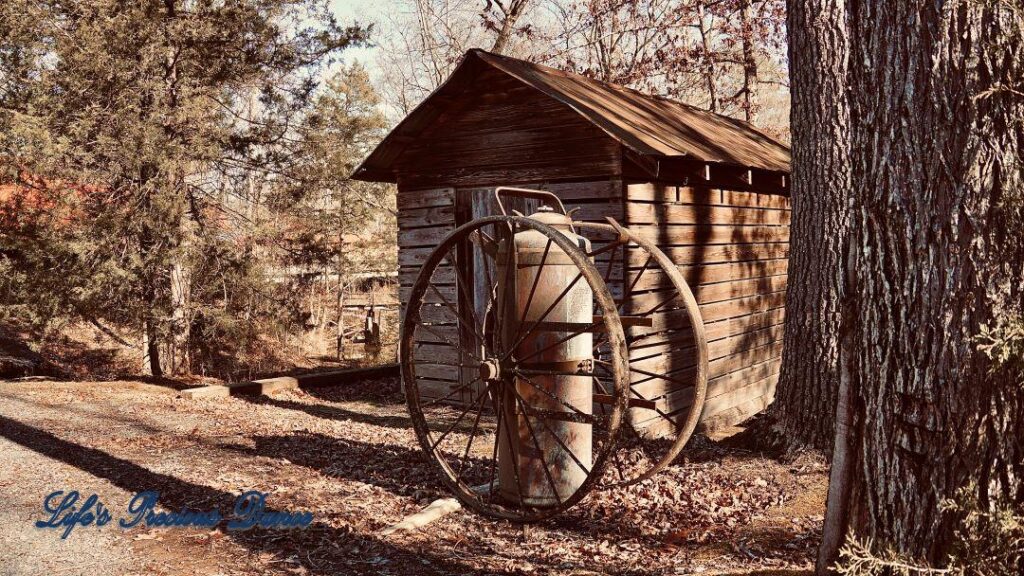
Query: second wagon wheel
pixel 668 349
pixel 496 357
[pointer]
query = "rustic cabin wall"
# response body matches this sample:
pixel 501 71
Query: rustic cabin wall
pixel 425 217
pixel 732 248
pixel 507 132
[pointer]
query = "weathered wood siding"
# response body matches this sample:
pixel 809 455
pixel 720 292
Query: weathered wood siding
pixel 732 247
pixel 425 217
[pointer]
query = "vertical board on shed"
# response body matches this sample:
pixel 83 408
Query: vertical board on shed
pixel 732 248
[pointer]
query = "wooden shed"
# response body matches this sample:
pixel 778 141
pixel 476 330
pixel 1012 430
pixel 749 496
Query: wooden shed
pixel 711 191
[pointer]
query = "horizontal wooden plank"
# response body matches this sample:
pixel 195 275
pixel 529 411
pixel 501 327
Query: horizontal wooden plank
pixel 571 168
pixel 430 352
pixel 741 306
pixel 638 213
pixel 449 374
pixel 431 236
pixel 732 381
pixel 657 192
pixel 434 313
pixel 735 415
pixel 743 324
pixel 442 275
pixel 562 145
pixel 568 192
pixel 595 212
pixel 575 191
pixel 698 234
pixel 718 367
pixel 679 360
pixel 425 198
pixel 421 217
pixel 654 278
pixel 430 389
pixel 412 257
pixel 707 293
pixel 662 342
pixel 764 388
pixel 694 255
pixel 447 333
pixel 429 296
pixel 676 401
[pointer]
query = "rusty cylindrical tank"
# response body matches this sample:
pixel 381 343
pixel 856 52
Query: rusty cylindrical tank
pixel 533 444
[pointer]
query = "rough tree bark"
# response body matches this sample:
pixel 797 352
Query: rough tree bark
pixel 804 407
pixel 935 150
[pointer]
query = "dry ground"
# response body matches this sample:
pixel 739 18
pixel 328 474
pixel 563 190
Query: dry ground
pixel 347 453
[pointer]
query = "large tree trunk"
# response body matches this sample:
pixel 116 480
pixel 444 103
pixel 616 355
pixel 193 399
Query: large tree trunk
pixel 935 152
pixel 818 54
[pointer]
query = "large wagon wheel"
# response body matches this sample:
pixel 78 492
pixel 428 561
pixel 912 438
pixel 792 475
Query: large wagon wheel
pixel 668 348
pixel 476 344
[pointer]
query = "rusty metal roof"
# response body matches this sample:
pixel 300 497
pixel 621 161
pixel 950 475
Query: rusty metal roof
pixel 648 125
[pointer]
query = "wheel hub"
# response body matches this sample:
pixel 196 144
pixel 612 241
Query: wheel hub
pixel 490 369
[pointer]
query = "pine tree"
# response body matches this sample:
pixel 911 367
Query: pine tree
pixel 137 119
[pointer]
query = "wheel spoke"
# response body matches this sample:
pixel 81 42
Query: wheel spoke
pixel 445 339
pixel 555 398
pixel 612 245
pixel 533 290
pixel 661 304
pixel 553 435
pixel 497 435
pixel 651 374
pixel 458 317
pixel 451 393
pixel 472 434
pixel 511 449
pixel 543 317
pixel 465 292
pixel 637 278
pixel 562 341
pixel 506 288
pixel 543 463
pixel 451 427
pixel 611 262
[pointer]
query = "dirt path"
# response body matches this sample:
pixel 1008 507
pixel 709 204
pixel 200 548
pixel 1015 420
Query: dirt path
pixel 347 455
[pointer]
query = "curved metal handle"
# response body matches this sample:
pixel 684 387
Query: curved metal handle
pixel 527 193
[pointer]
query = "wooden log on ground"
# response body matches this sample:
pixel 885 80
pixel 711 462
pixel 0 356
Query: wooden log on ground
pixel 271 385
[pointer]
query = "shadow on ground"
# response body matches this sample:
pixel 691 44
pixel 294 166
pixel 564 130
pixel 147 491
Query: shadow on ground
pixel 314 548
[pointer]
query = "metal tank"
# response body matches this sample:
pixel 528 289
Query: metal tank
pixel 543 432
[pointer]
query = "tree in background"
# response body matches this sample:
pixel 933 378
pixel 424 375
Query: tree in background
pixel 695 50
pixel 723 55
pixel 336 226
pixel 502 19
pixel 930 409
pixel 129 128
